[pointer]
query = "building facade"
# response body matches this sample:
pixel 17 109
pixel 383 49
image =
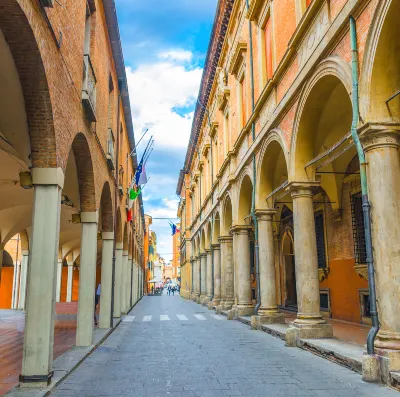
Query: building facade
pixel 176 256
pixel 66 142
pixel 271 180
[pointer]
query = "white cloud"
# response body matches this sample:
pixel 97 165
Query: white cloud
pixel 155 91
pixel 176 55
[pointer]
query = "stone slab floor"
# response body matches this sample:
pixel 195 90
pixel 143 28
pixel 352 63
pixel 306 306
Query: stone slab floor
pixel 169 346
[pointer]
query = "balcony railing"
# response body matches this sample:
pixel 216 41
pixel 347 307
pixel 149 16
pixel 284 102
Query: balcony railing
pixel 89 88
pixel 110 150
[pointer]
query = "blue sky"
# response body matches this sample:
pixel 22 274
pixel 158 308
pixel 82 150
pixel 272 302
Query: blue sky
pixel 165 44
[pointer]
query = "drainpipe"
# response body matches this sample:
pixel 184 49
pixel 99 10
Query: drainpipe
pixel 253 198
pixel 364 190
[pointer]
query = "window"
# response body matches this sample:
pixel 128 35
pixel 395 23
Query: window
pixel 268 49
pixel 320 235
pixel 357 217
pixel 365 306
pixel 324 298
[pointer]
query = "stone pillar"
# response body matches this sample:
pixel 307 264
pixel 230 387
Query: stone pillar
pixel 124 281
pixel 209 277
pixel 203 276
pixel 37 358
pixel 196 266
pixel 191 292
pixel 245 305
pixel 105 318
pixel 382 155
pixel 16 284
pixel 130 283
pixel 70 281
pixel 217 274
pixel 268 312
pixel 118 280
pixel 87 279
pixel 228 267
pixel 309 322
pixel 59 278
pixel 23 279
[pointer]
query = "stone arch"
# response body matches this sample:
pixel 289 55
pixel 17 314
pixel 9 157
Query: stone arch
pixel 227 212
pixel 20 38
pixel 106 209
pixel 244 200
pixel 208 230
pixel 380 73
pixel 272 168
pixel 216 230
pixel 85 173
pixel 24 240
pixel 323 118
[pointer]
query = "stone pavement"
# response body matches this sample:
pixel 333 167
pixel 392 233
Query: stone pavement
pixel 169 346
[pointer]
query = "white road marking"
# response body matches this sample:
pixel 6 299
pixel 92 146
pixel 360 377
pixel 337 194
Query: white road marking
pixel 200 317
pixel 218 317
pixel 182 317
pixel 164 317
pixel 128 319
pixel 146 318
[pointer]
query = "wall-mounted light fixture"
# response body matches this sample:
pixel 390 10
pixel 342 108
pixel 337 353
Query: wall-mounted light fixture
pixel 25 180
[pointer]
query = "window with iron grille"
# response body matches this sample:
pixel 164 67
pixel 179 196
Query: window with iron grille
pixel 320 235
pixel 357 221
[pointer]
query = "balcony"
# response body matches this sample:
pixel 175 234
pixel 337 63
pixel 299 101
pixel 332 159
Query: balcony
pixel 110 150
pixel 89 89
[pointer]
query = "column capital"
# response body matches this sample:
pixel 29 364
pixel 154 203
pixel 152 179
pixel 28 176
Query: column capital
pixel 302 189
pixel 107 235
pixel 375 136
pixel 225 239
pixel 119 246
pixel 208 251
pixel 216 247
pixel 203 255
pixel 265 214
pixel 25 252
pixel 89 217
pixel 48 176
pixel 240 229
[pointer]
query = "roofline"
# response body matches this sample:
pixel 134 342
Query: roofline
pixel 220 27
pixel 116 47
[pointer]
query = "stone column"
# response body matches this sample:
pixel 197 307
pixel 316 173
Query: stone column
pixel 217 274
pixel 209 280
pixel 382 154
pixel 37 358
pixel 124 280
pixel 70 281
pixel 130 283
pixel 268 312
pixel 16 284
pixel 59 278
pixel 245 305
pixel 23 279
pixel 105 317
pixel 196 263
pixel 228 267
pixel 203 276
pixel 191 292
pixel 118 280
pixel 87 279
pixel 133 276
pixel 309 322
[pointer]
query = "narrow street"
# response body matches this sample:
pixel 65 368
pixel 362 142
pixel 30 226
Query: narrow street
pixel 169 346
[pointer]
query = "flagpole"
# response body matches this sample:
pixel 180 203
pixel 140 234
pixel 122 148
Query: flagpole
pixel 131 153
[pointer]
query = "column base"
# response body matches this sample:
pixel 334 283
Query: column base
pixel 243 310
pixel 210 305
pixel 298 331
pixel 389 361
pixel 271 318
pixel 228 304
pixel 216 302
pixel 205 301
pixel 35 381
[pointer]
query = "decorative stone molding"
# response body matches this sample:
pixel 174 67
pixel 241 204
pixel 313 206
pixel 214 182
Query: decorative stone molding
pixel 362 271
pixel 238 57
pixel 265 215
pixel 205 150
pixel 380 138
pixel 322 273
pixel 213 130
pixel 302 189
pixel 223 98
pixel 240 229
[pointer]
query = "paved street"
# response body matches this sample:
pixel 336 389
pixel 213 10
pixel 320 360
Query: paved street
pixel 169 346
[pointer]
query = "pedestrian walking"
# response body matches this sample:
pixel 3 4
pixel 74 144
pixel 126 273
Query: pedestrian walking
pixel 169 290
pixel 96 302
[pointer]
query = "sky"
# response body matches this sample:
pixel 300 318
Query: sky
pixel 165 44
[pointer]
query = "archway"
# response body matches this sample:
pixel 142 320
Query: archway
pixel 289 290
pixel 227 216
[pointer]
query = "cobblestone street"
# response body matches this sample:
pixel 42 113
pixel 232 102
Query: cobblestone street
pixel 169 346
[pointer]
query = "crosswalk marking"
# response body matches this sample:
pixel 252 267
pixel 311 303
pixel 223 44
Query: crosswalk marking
pixel 182 317
pixel 128 319
pixel 218 317
pixel 164 317
pixel 199 317
pixel 146 318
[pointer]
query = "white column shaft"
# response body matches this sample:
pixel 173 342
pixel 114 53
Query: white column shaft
pixel 118 282
pixel 59 278
pixel 209 274
pixel 106 283
pixel 70 281
pixel 23 278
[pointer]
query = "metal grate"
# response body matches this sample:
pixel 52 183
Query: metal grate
pixel 320 235
pixel 357 221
